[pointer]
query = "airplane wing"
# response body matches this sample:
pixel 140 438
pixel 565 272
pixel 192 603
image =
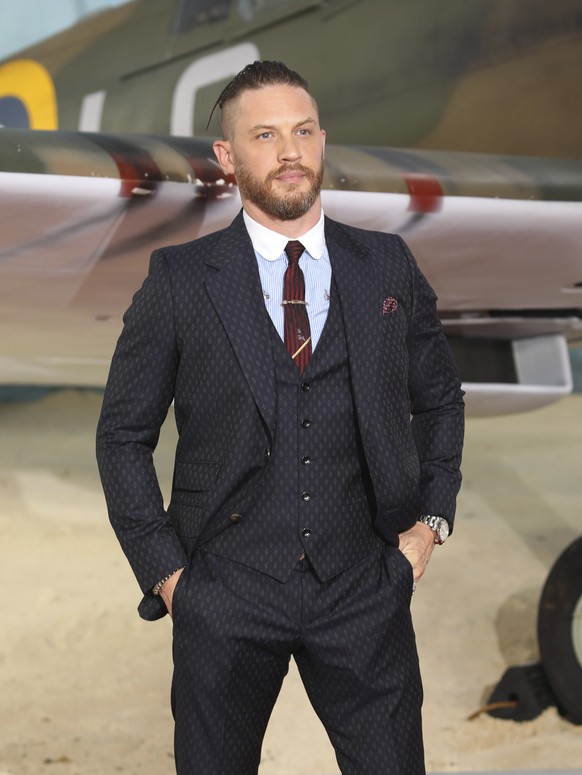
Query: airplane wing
pixel 498 237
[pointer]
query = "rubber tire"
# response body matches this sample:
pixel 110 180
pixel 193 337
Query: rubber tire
pixel 560 654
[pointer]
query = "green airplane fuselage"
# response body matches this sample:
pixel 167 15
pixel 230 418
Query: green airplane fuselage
pixel 493 76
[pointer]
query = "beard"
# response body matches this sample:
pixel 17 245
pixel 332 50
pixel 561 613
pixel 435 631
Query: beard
pixel 285 206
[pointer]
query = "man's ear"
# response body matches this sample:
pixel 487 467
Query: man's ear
pixel 223 153
pixel 323 142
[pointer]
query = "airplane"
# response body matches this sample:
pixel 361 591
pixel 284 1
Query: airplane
pixel 455 124
pixel 431 130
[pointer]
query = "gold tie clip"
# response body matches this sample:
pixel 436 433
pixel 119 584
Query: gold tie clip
pixel 305 343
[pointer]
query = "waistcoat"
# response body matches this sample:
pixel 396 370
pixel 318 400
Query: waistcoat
pixel 315 496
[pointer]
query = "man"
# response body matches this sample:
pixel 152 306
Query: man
pixel 320 426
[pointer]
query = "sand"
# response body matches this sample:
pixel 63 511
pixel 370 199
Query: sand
pixel 85 682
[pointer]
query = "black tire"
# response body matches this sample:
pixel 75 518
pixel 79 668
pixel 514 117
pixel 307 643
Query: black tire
pixel 560 631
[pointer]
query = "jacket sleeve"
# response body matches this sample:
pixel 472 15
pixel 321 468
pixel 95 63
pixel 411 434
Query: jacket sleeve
pixel 138 394
pixel 436 401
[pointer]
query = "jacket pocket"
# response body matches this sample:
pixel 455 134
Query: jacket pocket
pixel 193 482
pixel 182 582
pixel 188 522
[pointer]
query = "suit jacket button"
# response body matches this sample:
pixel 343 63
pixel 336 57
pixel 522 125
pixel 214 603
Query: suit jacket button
pixel 305 423
pixel 267 454
pixel 305 496
pixel 235 518
pixel 306 532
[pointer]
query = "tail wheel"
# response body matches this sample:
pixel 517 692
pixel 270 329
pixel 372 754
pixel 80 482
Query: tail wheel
pixel 560 631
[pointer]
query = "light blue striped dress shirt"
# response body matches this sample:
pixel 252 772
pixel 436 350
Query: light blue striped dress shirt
pixel 269 247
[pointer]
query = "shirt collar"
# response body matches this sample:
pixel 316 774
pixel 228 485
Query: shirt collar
pixel 270 244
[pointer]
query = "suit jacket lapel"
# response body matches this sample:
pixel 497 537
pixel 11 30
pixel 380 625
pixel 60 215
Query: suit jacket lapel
pixel 359 284
pixel 235 292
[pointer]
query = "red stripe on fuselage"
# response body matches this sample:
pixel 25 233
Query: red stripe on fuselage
pixel 426 193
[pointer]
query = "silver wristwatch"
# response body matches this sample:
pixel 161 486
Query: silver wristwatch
pixel 438 525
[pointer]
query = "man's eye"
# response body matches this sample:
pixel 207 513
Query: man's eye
pixel 265 135
pixel 305 132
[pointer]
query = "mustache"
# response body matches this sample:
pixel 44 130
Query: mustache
pixel 284 168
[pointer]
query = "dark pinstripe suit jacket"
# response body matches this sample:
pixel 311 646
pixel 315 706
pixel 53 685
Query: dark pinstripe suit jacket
pixel 197 333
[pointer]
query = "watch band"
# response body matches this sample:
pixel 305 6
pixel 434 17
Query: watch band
pixel 438 525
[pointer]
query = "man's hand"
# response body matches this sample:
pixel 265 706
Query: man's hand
pixel 168 587
pixel 416 544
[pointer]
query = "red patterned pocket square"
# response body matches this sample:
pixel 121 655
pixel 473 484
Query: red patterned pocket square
pixel 389 305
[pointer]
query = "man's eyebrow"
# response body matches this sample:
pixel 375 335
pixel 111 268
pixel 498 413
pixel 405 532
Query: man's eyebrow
pixel 263 127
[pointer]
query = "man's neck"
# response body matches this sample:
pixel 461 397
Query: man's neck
pixel 291 229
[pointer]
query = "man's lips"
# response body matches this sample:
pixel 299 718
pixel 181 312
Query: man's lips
pixel 294 174
pixel 291 177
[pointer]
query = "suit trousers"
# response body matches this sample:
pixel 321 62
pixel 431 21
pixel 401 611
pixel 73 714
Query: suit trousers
pixel 235 630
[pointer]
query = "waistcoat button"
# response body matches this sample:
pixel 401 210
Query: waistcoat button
pixel 306 532
pixel 306 460
pixel 305 386
pixel 305 496
pixel 305 423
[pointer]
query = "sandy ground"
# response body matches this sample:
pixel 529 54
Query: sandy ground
pixel 85 683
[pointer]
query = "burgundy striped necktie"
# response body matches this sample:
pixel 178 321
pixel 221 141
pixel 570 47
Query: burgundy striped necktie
pixel 297 331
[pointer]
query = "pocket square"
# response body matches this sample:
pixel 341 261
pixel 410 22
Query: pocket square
pixel 389 305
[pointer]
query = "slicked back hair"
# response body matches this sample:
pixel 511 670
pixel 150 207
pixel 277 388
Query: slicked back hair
pixel 255 76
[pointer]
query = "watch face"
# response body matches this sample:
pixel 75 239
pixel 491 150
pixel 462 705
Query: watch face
pixel 442 530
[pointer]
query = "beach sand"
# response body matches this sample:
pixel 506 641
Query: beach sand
pixel 85 683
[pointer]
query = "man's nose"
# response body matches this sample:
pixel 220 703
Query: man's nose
pixel 289 149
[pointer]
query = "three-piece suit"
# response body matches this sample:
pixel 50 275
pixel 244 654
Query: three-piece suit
pixel 289 491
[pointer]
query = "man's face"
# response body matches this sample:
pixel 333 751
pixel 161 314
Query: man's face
pixel 275 150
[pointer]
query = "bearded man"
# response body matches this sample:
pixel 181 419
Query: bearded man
pixel 320 421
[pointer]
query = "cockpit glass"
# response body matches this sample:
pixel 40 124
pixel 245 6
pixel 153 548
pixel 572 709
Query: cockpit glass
pixel 195 13
pixel 249 9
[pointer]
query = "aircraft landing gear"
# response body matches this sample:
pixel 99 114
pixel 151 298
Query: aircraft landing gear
pixel 560 631
pixel 525 691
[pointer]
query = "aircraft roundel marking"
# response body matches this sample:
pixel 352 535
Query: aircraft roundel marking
pixel 13 114
pixel 27 96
